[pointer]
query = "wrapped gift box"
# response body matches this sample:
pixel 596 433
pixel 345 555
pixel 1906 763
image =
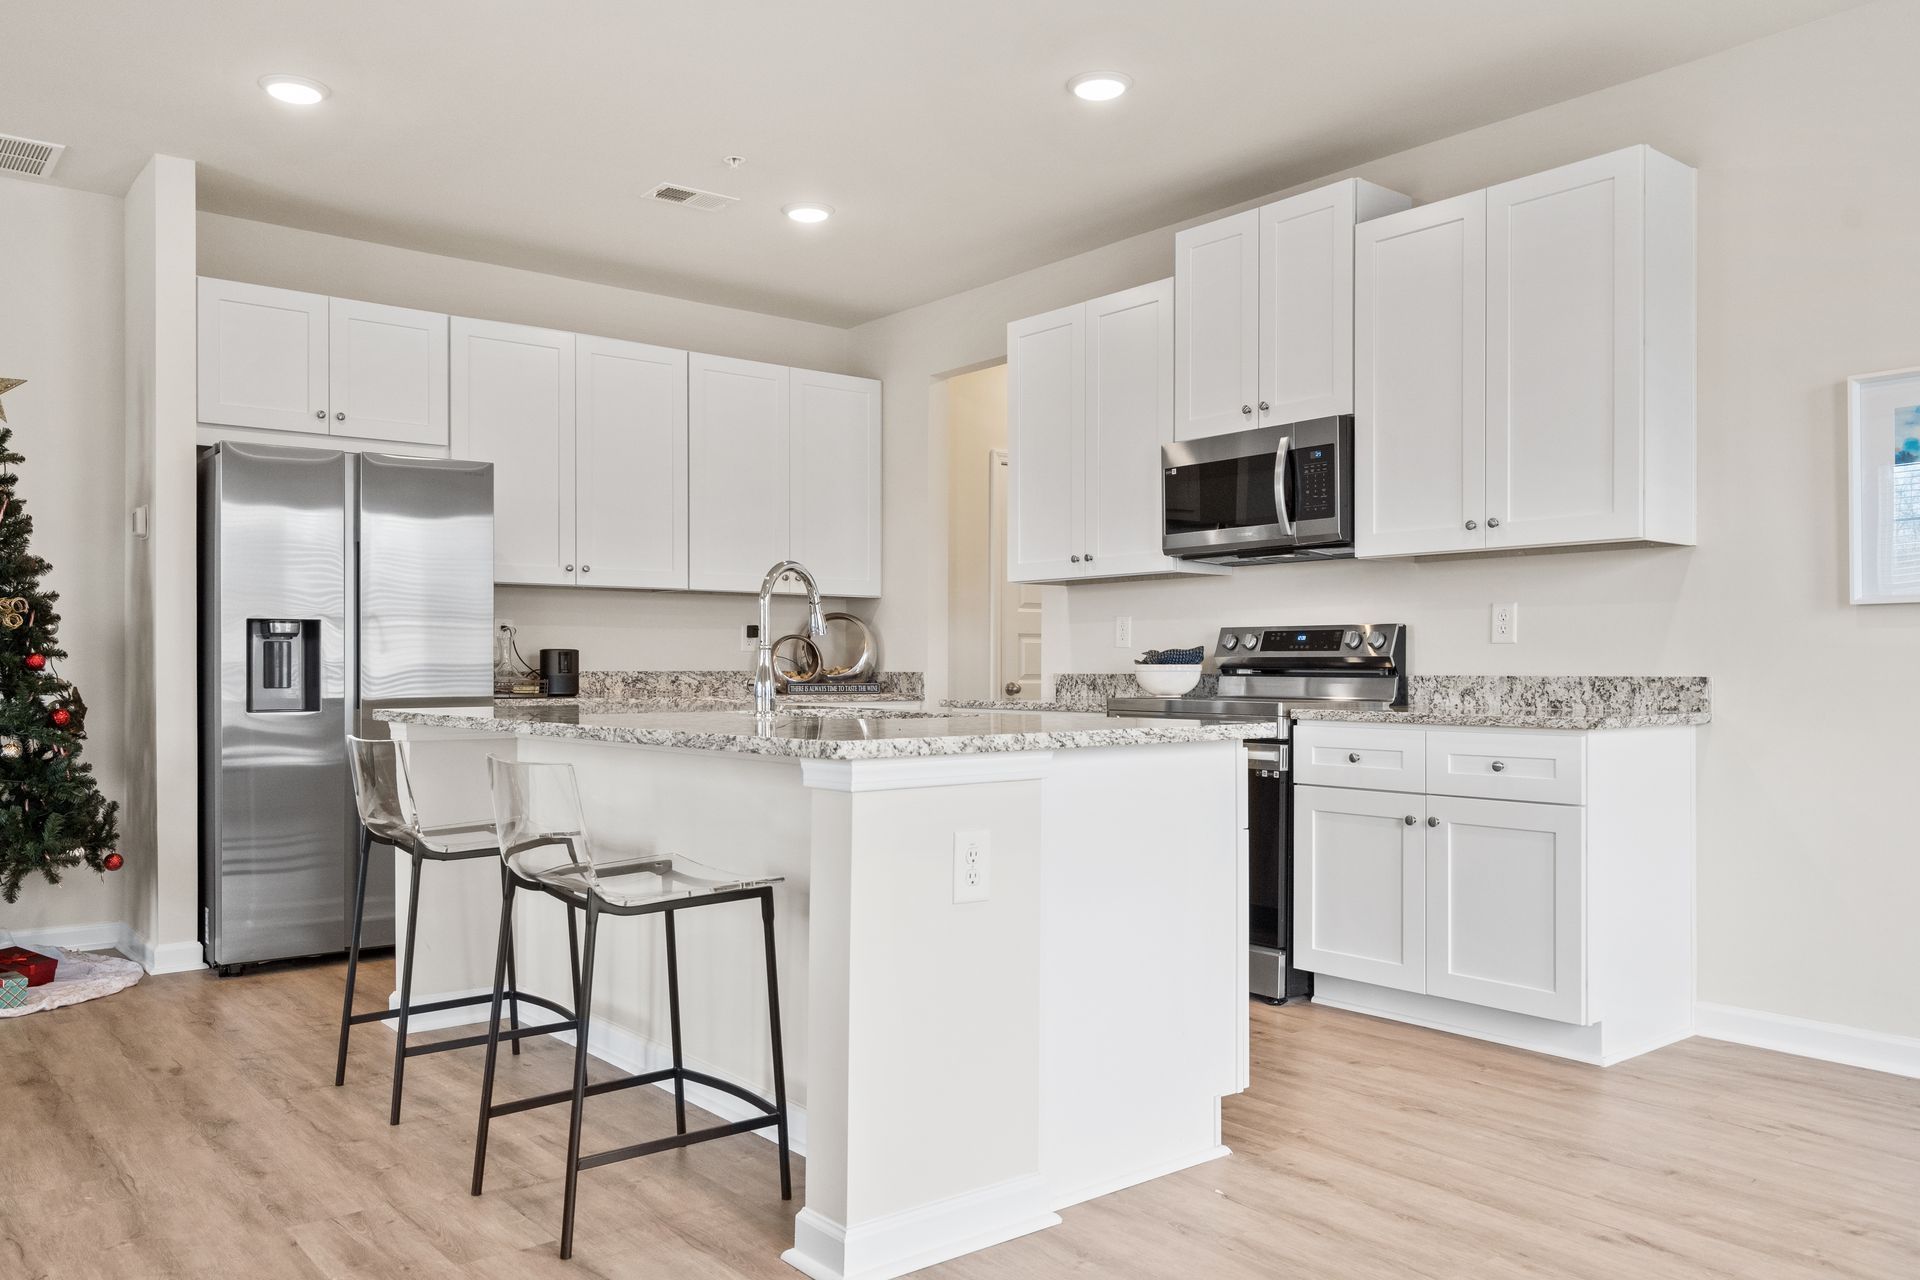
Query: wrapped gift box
pixel 37 968
pixel 13 989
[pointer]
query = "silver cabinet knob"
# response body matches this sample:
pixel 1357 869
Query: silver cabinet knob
pixel 586 568
pixel 1493 522
pixel 1075 559
pixel 1411 819
pixel 340 416
pixel 1247 408
pixel 1433 822
pixel 569 569
pixel 1263 406
pixel 1473 524
pixel 1013 688
pixel 320 413
pixel 1353 757
pixel 1089 557
pixel 1499 766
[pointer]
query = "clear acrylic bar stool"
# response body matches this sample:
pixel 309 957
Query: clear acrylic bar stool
pixel 383 793
pixel 542 835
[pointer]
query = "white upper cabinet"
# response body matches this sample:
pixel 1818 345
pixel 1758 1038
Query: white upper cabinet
pixel 834 480
pixel 1583 431
pixel 738 476
pixel 1089 403
pixel 1216 344
pixel 1264 324
pixel 513 406
pixel 1046 484
pixel 263 357
pixel 630 467
pixel 387 373
pixel 1420 287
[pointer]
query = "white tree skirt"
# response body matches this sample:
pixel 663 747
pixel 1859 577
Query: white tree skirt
pixel 82 975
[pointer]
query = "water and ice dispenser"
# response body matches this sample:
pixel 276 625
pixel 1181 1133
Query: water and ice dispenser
pixel 283 664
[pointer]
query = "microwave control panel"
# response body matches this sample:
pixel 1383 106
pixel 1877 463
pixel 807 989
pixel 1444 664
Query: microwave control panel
pixel 1318 493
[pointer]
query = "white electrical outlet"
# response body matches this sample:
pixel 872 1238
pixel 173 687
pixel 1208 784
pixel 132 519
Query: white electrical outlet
pixel 749 636
pixel 1123 633
pixel 972 865
pixel 1506 624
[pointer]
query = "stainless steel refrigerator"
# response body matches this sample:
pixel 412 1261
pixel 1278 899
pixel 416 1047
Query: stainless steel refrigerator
pixel 331 584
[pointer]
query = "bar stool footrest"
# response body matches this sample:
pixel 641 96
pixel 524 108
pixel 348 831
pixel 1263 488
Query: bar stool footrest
pixel 462 1002
pixel 677 1140
pixel 566 1095
pixel 468 1042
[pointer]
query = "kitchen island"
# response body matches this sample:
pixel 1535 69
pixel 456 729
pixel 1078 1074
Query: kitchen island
pixel 960 1070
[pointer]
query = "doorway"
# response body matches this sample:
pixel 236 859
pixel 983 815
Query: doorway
pixel 993 626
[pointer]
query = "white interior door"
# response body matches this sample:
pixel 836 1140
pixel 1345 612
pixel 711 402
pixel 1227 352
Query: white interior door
pixel 1014 619
pixel 1359 888
pixel 1420 422
pixel 1506 906
pixel 1129 415
pixel 1306 306
pixel 512 405
pixel 387 373
pixel 1046 414
pixel 834 484
pixel 737 472
pixel 1565 346
pixel 1216 342
pixel 630 467
pixel 263 357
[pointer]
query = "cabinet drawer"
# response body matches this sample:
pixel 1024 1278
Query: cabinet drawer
pixel 1368 756
pixel 1546 768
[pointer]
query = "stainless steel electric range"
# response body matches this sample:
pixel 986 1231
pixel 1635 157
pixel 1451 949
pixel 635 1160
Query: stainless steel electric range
pixel 1264 674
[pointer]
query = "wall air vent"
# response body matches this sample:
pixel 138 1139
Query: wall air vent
pixel 691 197
pixel 24 155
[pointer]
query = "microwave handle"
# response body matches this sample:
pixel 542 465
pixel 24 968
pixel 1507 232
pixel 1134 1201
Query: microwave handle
pixel 1282 464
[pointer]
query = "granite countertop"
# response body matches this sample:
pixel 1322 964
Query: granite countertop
pixel 827 733
pixel 709 702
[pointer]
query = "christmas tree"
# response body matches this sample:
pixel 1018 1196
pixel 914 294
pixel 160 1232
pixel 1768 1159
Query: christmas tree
pixel 52 815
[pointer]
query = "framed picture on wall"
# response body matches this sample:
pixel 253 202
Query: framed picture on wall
pixel 1883 447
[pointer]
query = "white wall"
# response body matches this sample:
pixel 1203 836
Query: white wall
pixel 60 322
pixel 976 425
pixel 614 630
pixel 1809 249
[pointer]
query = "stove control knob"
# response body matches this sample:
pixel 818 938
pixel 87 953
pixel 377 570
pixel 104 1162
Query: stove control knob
pixel 1229 642
pixel 1377 641
pixel 1351 639
pixel 1249 641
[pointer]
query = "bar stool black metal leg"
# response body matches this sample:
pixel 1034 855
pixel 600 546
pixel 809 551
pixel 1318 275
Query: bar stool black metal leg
pixel 779 1055
pixel 353 955
pixel 493 1039
pixel 573 954
pixel 673 1019
pixel 583 1011
pixel 406 990
pixel 513 976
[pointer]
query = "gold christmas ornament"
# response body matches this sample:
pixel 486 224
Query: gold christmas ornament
pixel 10 748
pixel 13 613
pixel 6 385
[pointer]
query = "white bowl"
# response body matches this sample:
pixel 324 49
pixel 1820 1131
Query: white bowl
pixel 1167 680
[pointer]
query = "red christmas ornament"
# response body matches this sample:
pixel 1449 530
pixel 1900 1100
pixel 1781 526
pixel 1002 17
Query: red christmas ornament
pixel 113 862
pixel 36 661
pixel 61 717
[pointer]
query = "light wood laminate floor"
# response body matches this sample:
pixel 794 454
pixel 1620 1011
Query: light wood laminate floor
pixel 188 1128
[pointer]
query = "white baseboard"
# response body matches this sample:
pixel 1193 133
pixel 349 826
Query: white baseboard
pixel 171 957
pixel 898 1243
pixel 1805 1038
pixel 168 957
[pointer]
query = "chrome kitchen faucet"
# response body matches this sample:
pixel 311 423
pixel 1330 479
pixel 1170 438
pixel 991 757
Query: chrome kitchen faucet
pixel 816 627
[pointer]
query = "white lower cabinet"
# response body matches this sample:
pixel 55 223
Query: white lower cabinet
pixel 1472 905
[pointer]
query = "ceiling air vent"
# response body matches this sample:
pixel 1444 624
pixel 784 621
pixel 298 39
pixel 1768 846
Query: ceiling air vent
pixel 691 197
pixel 24 155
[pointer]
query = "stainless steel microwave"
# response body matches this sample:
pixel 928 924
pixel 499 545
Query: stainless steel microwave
pixel 1261 496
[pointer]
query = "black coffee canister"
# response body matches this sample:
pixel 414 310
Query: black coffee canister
pixel 560 672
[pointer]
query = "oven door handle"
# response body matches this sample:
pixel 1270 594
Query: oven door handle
pixel 1282 464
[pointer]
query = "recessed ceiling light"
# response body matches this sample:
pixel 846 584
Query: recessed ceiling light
pixel 1099 86
pixel 807 212
pixel 297 91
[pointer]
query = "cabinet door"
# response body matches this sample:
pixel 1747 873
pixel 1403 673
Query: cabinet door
pixel 1306 306
pixel 1565 334
pixel 630 467
pixel 737 473
pixel 387 373
pixel 1420 314
pixel 263 357
pixel 1216 342
pixel 512 405
pixel 1129 415
pixel 1046 410
pixel 1506 906
pixel 1359 885
pixel 834 488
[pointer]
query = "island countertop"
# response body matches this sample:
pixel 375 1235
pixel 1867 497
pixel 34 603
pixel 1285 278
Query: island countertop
pixel 822 733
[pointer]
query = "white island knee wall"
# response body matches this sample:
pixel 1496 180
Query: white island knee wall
pixel 964 1069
